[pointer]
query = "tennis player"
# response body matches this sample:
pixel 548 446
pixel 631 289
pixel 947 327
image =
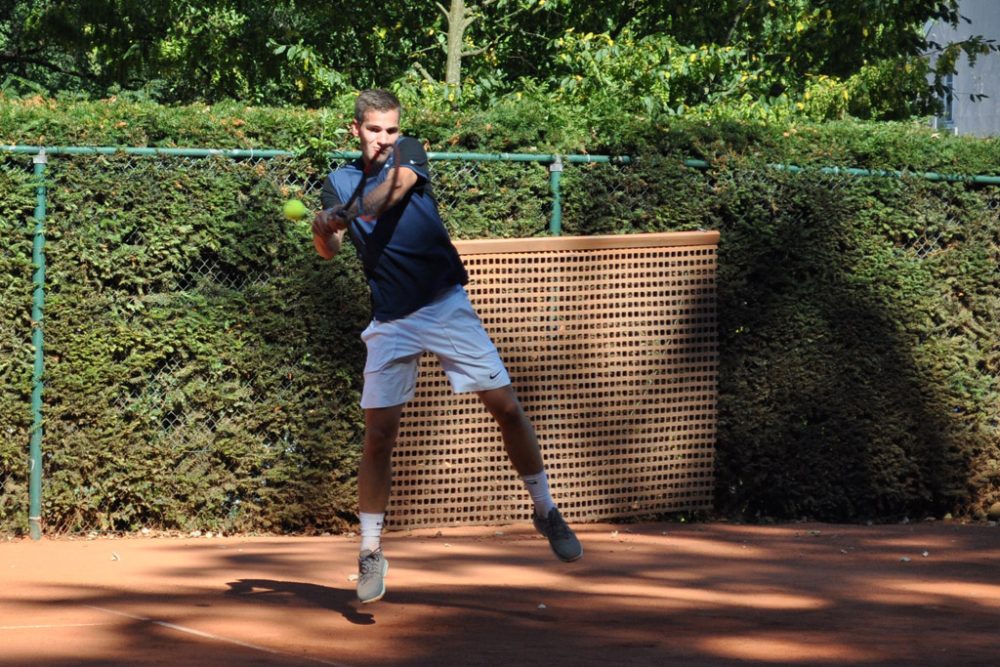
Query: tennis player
pixel 419 305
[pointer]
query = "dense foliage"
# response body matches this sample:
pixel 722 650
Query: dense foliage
pixel 804 58
pixel 16 353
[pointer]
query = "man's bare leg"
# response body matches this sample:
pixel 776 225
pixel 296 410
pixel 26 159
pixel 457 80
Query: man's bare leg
pixel 525 455
pixel 374 482
pixel 518 434
pixel 375 471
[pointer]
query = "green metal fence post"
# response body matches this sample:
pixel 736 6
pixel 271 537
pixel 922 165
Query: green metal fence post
pixel 38 342
pixel 555 175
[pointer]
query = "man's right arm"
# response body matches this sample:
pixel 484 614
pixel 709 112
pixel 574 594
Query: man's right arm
pixel 328 229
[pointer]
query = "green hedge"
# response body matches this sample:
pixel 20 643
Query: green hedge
pixel 859 324
pixel 203 367
pixel 17 203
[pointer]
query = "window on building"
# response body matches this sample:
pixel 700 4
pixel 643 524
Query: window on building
pixel 946 120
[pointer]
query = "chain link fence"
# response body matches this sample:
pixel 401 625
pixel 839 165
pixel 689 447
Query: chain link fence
pixel 142 250
pixel 256 416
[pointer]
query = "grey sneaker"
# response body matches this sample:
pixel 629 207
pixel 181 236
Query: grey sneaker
pixel 372 567
pixel 561 538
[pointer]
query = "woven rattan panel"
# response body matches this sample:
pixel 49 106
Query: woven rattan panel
pixel 611 346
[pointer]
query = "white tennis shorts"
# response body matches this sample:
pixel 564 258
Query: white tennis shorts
pixel 449 328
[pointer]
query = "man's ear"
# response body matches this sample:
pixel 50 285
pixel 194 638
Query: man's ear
pixel 355 128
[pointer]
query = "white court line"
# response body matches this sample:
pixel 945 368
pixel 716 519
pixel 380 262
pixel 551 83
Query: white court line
pixel 208 635
pixel 47 627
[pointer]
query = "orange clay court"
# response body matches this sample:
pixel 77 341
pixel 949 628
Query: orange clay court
pixel 644 594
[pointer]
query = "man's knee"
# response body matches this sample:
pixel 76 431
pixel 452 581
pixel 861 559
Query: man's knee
pixel 380 439
pixel 381 430
pixel 507 410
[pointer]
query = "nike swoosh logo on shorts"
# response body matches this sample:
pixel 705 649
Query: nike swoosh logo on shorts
pixel 493 376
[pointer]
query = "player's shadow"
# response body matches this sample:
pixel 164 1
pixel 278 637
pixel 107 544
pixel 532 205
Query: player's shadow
pixel 291 592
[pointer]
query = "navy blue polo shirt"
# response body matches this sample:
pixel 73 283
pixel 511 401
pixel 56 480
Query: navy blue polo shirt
pixel 407 254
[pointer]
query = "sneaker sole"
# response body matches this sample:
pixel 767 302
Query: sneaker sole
pixel 381 593
pixel 569 560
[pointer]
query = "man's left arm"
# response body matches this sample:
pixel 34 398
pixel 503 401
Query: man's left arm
pixel 408 171
pixel 391 191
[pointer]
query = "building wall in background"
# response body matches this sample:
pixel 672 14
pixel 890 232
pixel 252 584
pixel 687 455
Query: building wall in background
pixel 962 114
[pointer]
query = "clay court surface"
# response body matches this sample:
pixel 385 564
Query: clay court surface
pixel 644 594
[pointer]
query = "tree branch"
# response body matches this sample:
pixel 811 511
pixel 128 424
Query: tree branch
pixel 736 22
pixel 19 58
pixel 426 49
pixel 423 72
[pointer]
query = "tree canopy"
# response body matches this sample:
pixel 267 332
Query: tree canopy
pixel 818 58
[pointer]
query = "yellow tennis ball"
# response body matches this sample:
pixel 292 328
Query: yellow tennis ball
pixel 294 209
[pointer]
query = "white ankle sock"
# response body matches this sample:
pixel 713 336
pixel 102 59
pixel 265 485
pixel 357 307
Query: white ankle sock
pixel 371 530
pixel 538 487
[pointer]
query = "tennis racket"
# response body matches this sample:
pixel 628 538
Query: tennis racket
pixel 369 170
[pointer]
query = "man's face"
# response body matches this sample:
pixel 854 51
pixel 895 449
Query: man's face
pixel 378 133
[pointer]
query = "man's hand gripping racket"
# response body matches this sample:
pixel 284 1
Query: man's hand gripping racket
pixel 329 221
